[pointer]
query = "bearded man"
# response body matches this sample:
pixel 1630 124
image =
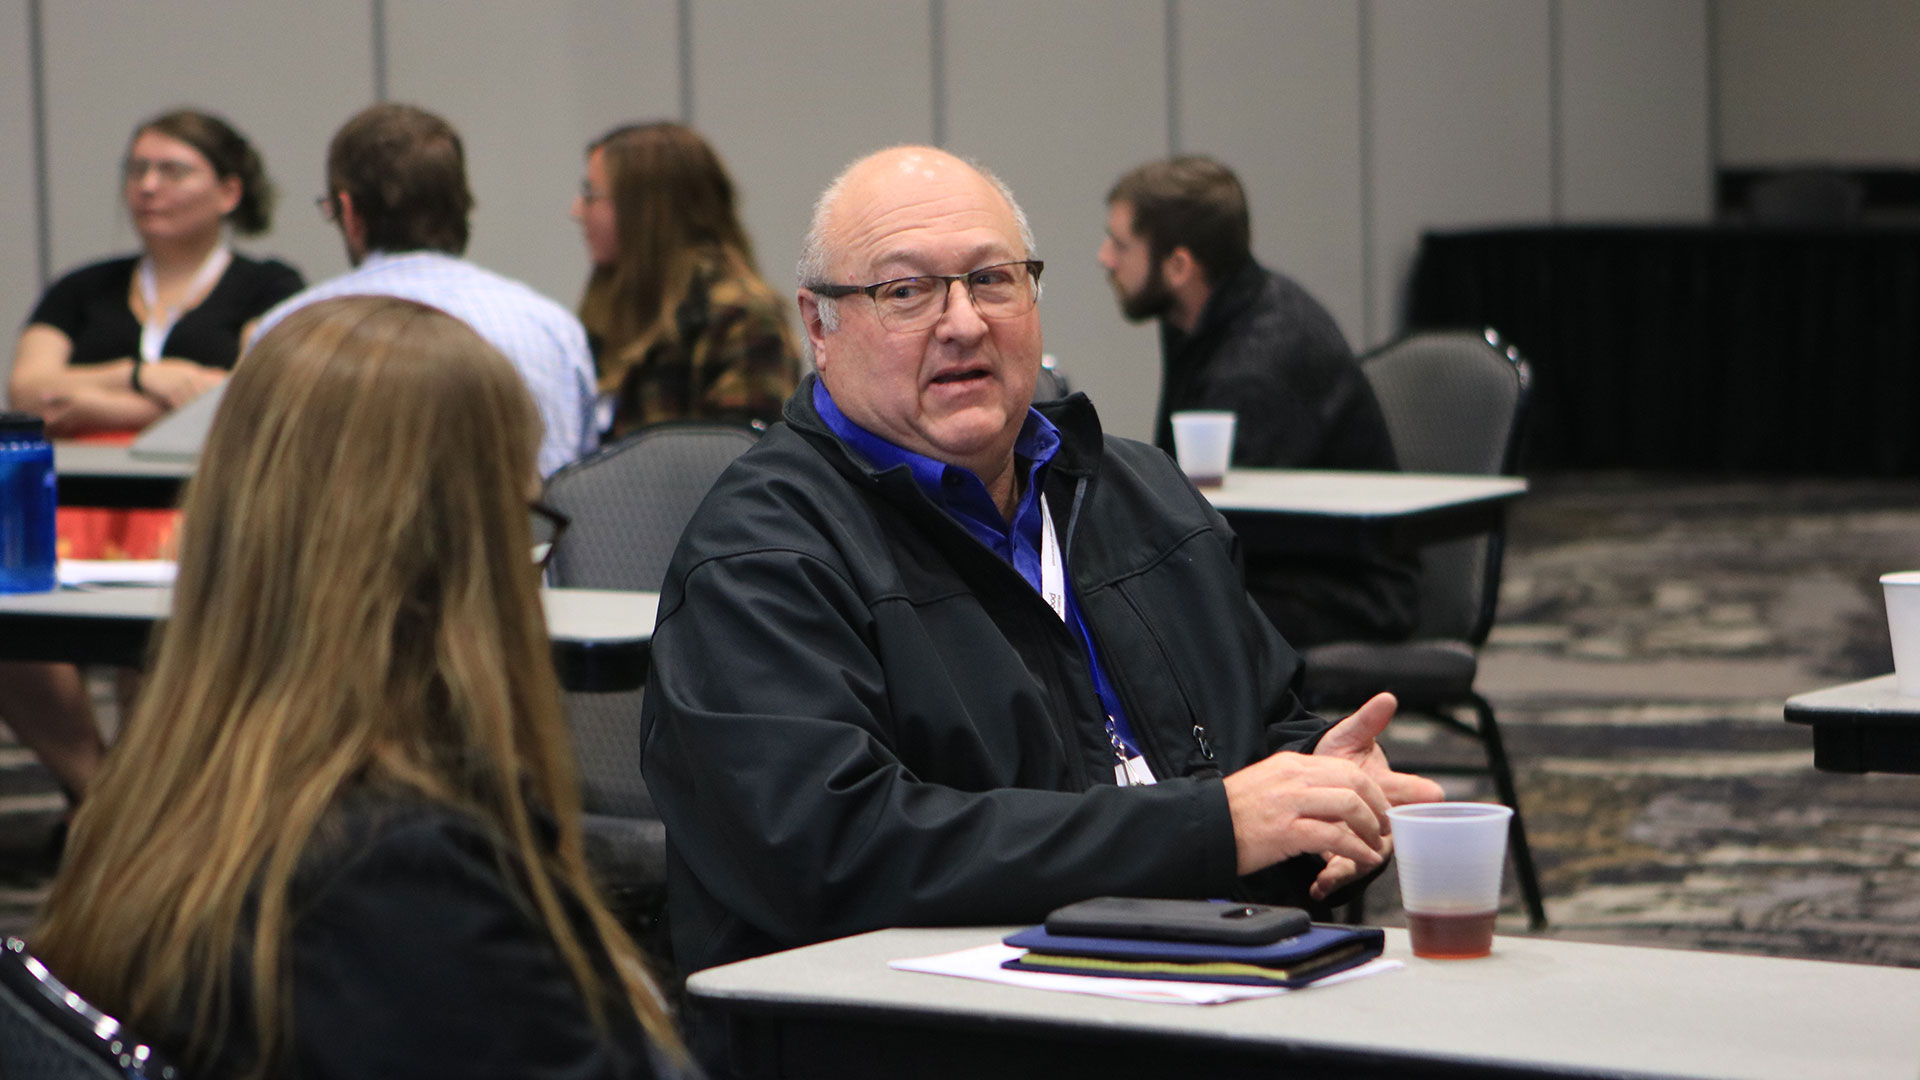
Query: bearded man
pixel 1238 337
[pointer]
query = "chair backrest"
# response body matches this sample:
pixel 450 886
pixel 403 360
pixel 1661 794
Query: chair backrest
pixel 631 501
pixel 629 504
pixel 48 1032
pixel 1454 402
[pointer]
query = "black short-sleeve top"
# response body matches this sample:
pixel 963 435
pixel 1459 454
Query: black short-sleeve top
pixel 90 306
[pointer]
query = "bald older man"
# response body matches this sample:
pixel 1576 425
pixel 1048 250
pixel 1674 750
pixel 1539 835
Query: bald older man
pixel 929 655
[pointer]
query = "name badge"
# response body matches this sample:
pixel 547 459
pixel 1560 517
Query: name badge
pixel 1134 773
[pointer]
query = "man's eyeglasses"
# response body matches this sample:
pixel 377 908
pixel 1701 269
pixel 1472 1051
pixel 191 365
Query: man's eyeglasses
pixel 329 208
pixel 170 172
pixel 1001 291
pixel 549 525
pixel 587 194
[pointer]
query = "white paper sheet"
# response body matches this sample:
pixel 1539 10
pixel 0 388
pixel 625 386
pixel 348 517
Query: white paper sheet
pixel 984 962
pixel 85 573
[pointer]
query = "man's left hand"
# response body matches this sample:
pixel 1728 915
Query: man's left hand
pixel 1355 740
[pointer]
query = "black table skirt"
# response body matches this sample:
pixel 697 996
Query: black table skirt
pixel 1698 349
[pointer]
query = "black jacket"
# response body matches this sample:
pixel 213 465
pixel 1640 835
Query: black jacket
pixel 1266 351
pixel 413 950
pixel 859 717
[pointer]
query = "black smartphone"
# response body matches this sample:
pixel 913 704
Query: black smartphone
pixel 1178 920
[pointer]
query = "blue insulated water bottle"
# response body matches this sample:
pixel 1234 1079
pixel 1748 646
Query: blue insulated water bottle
pixel 26 504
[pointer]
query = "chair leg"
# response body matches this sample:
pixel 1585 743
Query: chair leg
pixel 1503 784
pixel 1355 913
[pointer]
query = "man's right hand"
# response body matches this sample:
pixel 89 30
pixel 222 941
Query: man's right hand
pixel 1304 804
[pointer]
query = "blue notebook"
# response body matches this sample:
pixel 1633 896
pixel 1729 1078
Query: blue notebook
pixel 1295 961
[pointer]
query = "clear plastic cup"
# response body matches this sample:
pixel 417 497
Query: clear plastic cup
pixel 1203 442
pixel 1451 856
pixel 1903 625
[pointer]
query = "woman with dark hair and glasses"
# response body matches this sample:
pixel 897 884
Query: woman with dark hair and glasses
pixel 341 836
pixel 683 326
pixel 113 346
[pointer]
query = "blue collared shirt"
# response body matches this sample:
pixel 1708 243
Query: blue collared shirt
pixel 963 496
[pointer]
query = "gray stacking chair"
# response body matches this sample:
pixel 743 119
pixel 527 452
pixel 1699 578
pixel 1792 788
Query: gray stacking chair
pixel 629 504
pixel 48 1032
pixel 1454 403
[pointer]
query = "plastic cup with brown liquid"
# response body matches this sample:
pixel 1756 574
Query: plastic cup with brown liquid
pixel 1451 856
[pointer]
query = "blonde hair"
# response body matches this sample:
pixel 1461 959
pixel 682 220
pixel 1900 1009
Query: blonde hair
pixel 355 604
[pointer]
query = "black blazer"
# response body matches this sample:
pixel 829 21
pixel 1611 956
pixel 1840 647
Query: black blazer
pixel 416 952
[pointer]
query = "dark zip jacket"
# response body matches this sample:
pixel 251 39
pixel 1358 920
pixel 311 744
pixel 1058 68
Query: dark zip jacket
pixel 1267 351
pixel 412 950
pixel 859 716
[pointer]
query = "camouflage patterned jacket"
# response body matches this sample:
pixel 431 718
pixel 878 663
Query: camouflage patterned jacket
pixel 733 359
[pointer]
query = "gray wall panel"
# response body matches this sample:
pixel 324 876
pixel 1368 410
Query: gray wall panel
pixel 19 230
pixel 790 93
pixel 527 85
pixel 1832 80
pixel 1059 99
pixel 111 64
pixel 1460 131
pixel 1441 117
pixel 1273 90
pixel 1633 118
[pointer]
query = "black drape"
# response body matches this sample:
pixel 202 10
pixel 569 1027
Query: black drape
pixel 1698 349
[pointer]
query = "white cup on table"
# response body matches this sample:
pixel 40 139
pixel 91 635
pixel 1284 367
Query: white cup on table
pixel 1903 626
pixel 1203 442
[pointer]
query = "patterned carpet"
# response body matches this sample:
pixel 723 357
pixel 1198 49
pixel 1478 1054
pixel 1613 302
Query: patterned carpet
pixel 1649 632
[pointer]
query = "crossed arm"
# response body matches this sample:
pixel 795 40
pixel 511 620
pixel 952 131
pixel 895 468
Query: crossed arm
pixel 78 399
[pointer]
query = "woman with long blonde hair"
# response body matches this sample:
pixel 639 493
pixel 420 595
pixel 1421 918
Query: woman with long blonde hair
pixel 682 324
pixel 340 836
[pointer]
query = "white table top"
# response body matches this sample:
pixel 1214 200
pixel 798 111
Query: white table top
pixel 1337 493
pixel 1332 493
pixel 600 615
pixel 1877 696
pixel 593 616
pixel 1554 1005
pixel 93 459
